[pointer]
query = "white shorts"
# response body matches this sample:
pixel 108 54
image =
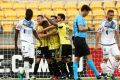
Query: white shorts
pixel 112 49
pixel 27 49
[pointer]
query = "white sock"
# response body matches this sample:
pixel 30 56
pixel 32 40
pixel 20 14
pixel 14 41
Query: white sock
pixel 115 64
pixel 26 67
pixel 106 68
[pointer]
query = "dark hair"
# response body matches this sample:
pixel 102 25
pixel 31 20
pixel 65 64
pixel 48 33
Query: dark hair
pixel 45 24
pixel 29 14
pixel 54 16
pixel 40 16
pixel 85 8
pixel 110 11
pixel 62 16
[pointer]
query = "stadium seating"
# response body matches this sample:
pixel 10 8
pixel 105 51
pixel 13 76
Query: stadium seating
pixel 2 15
pixel 6 6
pixel 48 12
pixel 98 14
pixel 20 14
pixel 32 5
pixel 60 11
pixel 96 24
pixel 71 14
pixel 7 26
pixel 96 5
pixel 118 6
pixel 45 6
pixel 19 6
pixel 109 5
pixel 10 15
pixel 89 23
pixel 89 16
pixel 70 6
pixel 56 7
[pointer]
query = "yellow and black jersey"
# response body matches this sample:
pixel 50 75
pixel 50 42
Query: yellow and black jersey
pixel 53 42
pixel 44 40
pixel 63 30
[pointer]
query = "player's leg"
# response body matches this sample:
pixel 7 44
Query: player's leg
pixel 86 52
pixel 52 64
pixel 106 68
pixel 62 63
pixel 76 42
pixel 69 61
pixel 25 53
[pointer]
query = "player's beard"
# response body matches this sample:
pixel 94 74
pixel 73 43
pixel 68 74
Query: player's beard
pixel 28 18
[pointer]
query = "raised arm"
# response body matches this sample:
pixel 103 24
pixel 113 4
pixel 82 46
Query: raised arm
pixel 51 21
pixel 45 29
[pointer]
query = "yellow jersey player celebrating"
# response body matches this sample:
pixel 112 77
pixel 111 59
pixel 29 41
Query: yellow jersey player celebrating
pixel 65 45
pixel 53 45
pixel 43 49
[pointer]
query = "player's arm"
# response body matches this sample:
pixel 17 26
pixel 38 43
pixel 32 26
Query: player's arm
pixel 53 32
pixel 51 21
pixel 80 27
pixel 46 29
pixel 98 35
pixel 117 37
pixel 16 38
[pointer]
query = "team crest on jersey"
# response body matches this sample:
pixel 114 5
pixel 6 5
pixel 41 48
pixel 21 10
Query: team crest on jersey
pixel 110 25
pixel 27 23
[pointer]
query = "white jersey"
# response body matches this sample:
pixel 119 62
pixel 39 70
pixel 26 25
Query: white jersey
pixel 26 30
pixel 107 30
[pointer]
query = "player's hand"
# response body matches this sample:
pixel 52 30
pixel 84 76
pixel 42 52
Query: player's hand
pixel 119 46
pixel 90 28
pixel 44 15
pixel 16 48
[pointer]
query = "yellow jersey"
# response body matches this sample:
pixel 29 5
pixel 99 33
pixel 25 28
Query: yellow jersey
pixel 63 30
pixel 43 40
pixel 53 42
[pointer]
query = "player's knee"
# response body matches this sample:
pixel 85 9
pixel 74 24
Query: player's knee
pixel 77 59
pixel 105 59
pixel 31 60
pixel 68 60
pixel 117 57
pixel 26 59
pixel 37 60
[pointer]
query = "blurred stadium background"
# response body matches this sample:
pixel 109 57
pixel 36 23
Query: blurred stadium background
pixel 11 11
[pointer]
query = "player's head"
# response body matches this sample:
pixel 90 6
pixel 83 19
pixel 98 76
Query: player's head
pixel 85 10
pixel 45 24
pixel 54 18
pixel 60 17
pixel 28 14
pixel 110 15
pixel 40 19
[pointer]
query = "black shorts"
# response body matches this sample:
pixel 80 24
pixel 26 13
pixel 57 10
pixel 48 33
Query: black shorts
pixel 43 52
pixel 66 51
pixel 81 47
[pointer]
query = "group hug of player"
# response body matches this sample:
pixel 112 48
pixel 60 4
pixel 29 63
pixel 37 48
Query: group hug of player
pixel 53 37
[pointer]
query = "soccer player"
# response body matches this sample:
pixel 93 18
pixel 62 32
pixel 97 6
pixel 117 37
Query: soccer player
pixel 26 28
pixel 43 49
pixel 65 48
pixel 81 47
pixel 109 35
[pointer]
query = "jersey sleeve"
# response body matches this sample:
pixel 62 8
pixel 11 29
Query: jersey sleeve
pixel 116 26
pixel 79 21
pixel 101 25
pixel 19 26
pixel 34 26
